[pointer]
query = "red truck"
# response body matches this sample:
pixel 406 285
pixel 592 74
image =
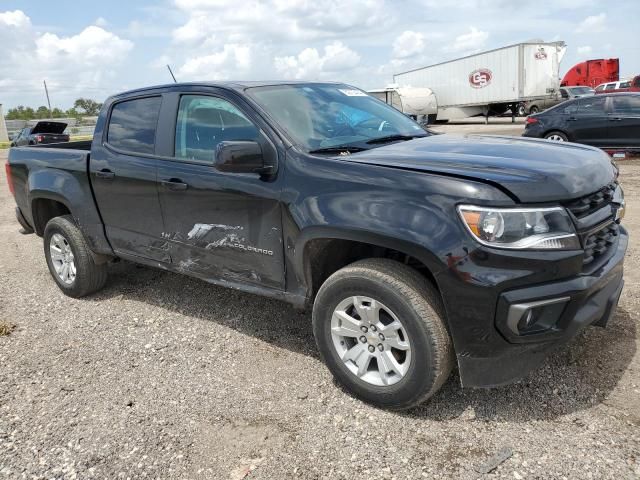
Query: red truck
pixel 592 72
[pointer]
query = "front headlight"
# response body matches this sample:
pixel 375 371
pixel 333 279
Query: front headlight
pixel 521 228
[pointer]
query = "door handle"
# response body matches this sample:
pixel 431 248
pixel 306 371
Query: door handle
pixel 572 119
pixel 105 173
pixel 174 184
pixel 615 119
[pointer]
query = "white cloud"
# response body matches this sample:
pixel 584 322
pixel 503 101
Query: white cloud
pixel 14 19
pixel 584 51
pixel 221 65
pixel 472 41
pixel 81 64
pixel 280 19
pixel 407 44
pixel 101 22
pixel 593 24
pixel 93 47
pixel 309 64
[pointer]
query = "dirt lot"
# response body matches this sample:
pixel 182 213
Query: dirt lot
pixel 161 376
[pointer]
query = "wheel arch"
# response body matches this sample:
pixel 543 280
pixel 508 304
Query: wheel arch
pixel 44 207
pixel 320 251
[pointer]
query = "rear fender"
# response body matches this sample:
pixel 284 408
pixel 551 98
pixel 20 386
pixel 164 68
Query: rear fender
pixel 75 194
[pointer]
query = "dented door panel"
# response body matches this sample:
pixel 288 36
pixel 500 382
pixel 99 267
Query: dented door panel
pixel 222 225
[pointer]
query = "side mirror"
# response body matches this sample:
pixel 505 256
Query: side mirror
pixel 240 157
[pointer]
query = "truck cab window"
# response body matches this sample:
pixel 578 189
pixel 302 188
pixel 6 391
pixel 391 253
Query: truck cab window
pixel 204 122
pixel 132 126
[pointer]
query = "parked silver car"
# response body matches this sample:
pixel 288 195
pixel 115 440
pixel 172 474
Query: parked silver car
pixel 564 93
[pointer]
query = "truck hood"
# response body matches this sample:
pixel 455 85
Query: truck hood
pixel 49 127
pixel 530 169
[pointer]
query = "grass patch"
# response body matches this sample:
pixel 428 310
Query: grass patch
pixel 6 328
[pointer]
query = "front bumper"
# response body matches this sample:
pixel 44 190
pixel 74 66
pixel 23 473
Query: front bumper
pixel 584 300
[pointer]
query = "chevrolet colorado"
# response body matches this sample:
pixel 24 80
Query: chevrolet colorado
pixel 418 252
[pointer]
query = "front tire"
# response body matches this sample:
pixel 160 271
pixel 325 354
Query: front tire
pixel 69 259
pixel 379 327
pixel 533 110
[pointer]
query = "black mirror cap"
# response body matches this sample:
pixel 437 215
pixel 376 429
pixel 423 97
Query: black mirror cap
pixel 240 157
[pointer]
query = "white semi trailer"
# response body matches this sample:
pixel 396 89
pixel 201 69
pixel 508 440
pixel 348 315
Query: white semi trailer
pixel 419 103
pixel 491 81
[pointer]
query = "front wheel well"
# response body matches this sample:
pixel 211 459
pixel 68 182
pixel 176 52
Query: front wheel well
pixel 323 257
pixel 43 210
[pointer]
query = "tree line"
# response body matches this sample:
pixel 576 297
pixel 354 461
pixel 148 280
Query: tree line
pixel 82 107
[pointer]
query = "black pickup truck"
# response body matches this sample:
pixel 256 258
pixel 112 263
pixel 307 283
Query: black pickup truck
pixel 417 252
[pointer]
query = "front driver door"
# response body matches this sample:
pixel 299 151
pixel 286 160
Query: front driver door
pixel 219 225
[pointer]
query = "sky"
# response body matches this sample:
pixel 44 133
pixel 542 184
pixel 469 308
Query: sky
pixel 87 49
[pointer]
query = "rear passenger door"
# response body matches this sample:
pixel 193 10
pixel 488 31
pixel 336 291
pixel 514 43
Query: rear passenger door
pixel 123 171
pixel 219 225
pixel 589 123
pixel 624 121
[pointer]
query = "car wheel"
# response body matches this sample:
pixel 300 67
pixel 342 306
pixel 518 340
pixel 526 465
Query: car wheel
pixel 556 136
pixel 69 259
pixel 379 327
pixel 533 110
pixel 521 111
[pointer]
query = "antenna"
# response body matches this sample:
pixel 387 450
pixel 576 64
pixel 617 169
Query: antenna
pixel 172 75
pixel 47 92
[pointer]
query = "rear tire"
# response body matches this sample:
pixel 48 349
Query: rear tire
pixel 556 136
pixel 69 259
pixel 415 359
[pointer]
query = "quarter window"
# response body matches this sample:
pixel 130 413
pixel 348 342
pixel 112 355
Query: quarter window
pixel 132 126
pixel 204 122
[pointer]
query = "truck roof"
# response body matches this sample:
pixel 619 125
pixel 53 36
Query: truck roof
pixel 234 85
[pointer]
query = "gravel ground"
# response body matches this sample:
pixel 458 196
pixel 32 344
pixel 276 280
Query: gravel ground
pixel 162 376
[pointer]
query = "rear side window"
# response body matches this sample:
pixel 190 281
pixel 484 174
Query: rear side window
pixel 625 85
pixel 592 106
pixel 132 126
pixel 610 86
pixel 627 105
pixel 204 122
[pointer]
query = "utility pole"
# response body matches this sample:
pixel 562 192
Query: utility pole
pixel 172 75
pixel 46 90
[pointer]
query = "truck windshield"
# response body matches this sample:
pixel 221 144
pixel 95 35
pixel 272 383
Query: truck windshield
pixel 328 116
pixel 581 90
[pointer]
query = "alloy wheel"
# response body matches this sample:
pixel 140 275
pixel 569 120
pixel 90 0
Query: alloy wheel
pixel 62 259
pixel 371 340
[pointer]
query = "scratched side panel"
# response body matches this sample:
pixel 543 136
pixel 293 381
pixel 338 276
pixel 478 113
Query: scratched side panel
pixel 223 225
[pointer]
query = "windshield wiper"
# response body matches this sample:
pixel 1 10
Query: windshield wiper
pixel 344 149
pixel 391 138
